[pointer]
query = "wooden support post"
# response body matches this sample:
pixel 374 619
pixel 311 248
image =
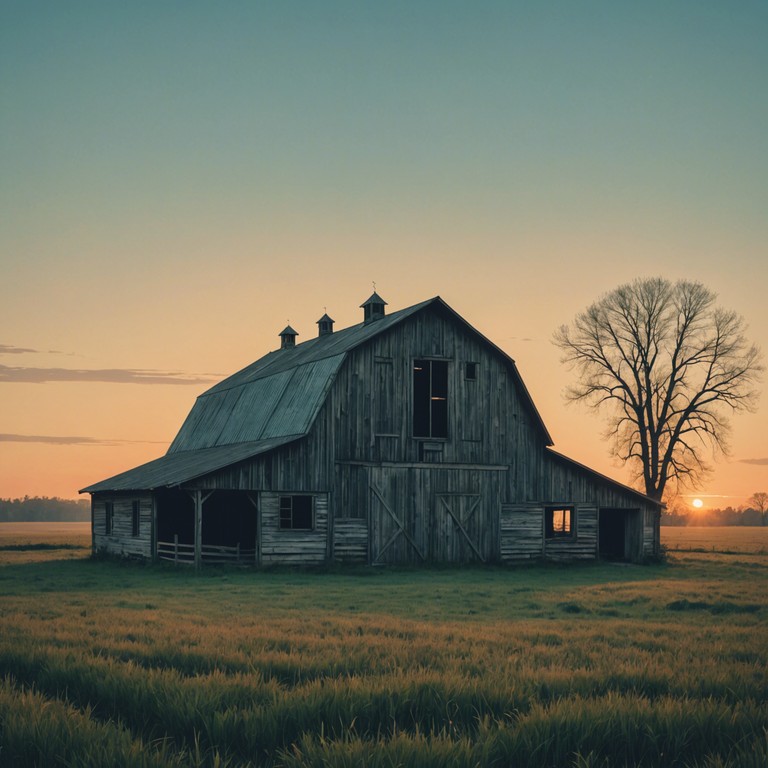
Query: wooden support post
pixel 198 496
pixel 257 553
pixel 175 548
pixel 153 535
pixel 93 525
pixel 199 499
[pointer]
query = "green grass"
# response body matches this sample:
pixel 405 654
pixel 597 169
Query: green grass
pixel 103 662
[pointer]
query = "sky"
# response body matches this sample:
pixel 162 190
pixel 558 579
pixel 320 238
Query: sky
pixel 178 180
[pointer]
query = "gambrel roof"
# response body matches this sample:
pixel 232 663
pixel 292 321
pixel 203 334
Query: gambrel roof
pixel 273 401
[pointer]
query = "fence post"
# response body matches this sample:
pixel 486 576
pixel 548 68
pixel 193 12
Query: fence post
pixel 175 548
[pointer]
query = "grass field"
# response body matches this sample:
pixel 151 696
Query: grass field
pixel 109 663
pixel 725 539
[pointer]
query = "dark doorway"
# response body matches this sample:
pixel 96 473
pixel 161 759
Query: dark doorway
pixel 613 534
pixel 229 520
pixel 175 517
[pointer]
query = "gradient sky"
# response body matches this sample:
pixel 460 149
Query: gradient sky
pixel 179 179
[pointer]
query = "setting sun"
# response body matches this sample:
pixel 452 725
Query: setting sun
pixel 698 503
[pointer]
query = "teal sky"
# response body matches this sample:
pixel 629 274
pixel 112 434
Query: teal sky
pixel 177 179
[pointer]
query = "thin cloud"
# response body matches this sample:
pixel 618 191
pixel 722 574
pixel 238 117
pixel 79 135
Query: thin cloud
pixel 69 440
pixel 9 349
pixel 759 462
pixel 18 374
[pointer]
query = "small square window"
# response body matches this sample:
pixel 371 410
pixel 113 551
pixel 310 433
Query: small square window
pixel 296 513
pixel 559 522
pixel 470 371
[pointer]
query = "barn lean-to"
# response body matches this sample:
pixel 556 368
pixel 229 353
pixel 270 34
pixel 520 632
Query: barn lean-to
pixel 408 438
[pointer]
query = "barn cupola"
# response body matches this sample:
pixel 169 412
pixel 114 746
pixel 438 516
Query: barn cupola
pixel 288 338
pixel 325 325
pixel 373 308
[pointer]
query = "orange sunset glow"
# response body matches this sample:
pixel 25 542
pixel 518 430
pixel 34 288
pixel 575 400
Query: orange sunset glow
pixel 177 186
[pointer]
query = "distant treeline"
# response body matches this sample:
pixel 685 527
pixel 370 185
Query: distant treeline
pixel 34 509
pixel 727 516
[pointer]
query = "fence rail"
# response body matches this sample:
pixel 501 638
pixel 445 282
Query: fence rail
pixel 178 552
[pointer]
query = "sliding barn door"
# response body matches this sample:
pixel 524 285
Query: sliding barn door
pixel 457 528
pixel 397 534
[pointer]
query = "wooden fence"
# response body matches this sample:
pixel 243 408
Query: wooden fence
pixel 177 552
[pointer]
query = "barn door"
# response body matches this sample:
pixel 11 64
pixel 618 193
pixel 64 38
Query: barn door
pixel 392 519
pixel 457 526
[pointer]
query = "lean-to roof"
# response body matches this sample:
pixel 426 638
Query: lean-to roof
pixel 603 478
pixel 177 468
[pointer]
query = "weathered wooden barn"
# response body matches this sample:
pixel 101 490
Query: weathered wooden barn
pixel 408 438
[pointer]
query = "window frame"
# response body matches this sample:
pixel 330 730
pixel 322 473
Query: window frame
pixel 430 361
pixel 109 517
pixel 550 532
pixel 281 508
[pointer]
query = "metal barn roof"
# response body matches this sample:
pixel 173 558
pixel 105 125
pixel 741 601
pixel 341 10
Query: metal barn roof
pixel 284 403
pixel 174 469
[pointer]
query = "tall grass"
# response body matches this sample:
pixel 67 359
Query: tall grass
pixel 586 666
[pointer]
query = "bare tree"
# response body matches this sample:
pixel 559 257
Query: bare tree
pixel 670 366
pixel 759 501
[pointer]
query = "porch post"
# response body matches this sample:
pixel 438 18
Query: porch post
pixel 153 535
pixel 198 528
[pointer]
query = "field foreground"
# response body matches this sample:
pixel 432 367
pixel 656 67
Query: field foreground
pixel 108 663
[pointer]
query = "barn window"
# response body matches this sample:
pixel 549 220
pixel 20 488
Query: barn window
pixel 296 513
pixel 430 398
pixel 109 516
pixel 135 518
pixel 470 371
pixel 559 522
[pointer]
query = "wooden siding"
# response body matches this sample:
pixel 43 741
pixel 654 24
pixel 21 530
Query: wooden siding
pixel 292 547
pixel 121 540
pixel 651 519
pixel 523 538
pixel 522 532
pixel 350 540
